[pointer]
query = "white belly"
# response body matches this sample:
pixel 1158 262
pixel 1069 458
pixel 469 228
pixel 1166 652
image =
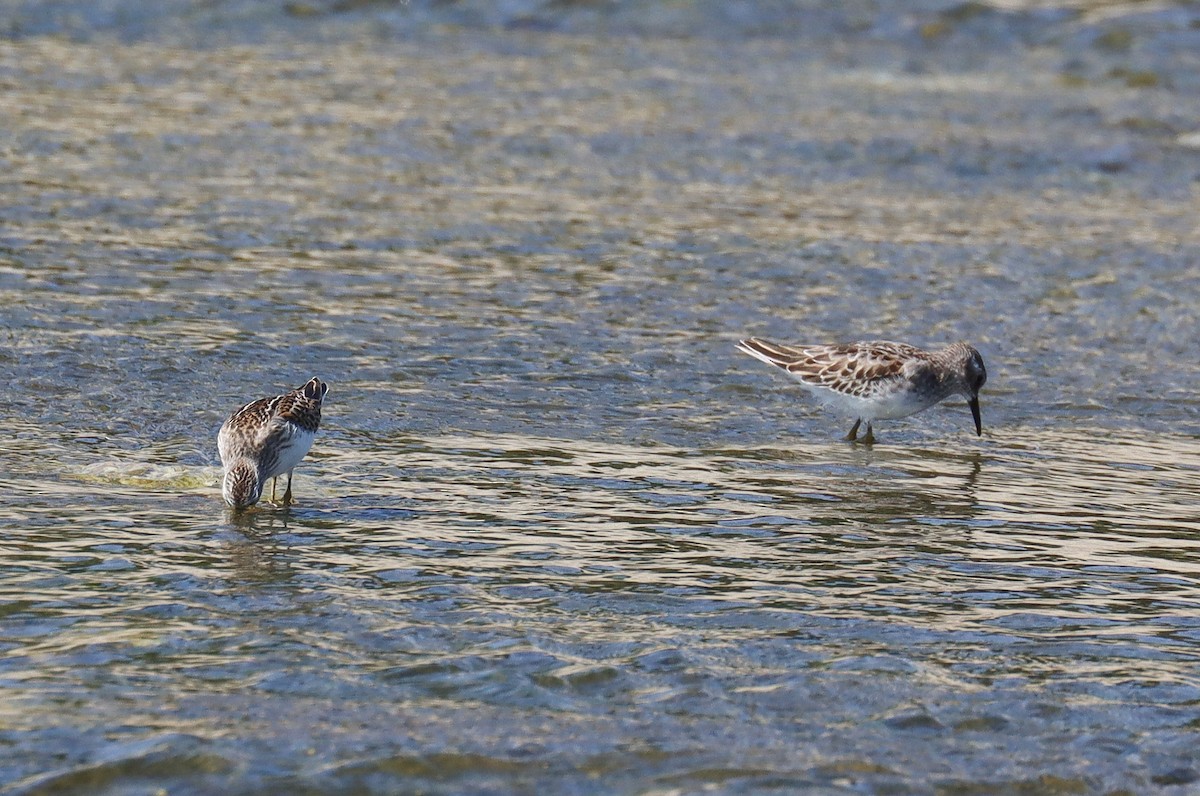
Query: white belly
pixel 886 406
pixel 293 443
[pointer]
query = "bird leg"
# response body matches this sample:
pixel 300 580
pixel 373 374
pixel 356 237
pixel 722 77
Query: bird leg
pixel 287 496
pixel 274 481
pixel 853 435
pixel 870 438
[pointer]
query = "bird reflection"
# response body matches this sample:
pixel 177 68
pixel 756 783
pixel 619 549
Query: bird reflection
pixel 875 484
pixel 257 556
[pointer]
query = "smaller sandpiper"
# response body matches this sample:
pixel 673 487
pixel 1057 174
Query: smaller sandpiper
pixel 879 380
pixel 267 438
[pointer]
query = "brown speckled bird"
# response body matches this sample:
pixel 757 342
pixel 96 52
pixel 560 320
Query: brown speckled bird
pixel 266 438
pixel 879 380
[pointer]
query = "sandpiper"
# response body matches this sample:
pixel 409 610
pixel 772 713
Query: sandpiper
pixel 879 380
pixel 266 438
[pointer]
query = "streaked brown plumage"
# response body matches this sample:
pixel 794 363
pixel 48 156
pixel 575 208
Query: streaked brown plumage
pixel 266 438
pixel 879 379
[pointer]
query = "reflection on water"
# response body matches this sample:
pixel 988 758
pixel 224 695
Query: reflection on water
pixel 552 582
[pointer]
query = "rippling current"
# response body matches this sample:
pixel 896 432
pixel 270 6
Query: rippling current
pixel 556 534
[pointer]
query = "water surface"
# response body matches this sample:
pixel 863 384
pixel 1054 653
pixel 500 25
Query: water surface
pixel 556 534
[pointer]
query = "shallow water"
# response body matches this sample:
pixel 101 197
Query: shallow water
pixel 556 533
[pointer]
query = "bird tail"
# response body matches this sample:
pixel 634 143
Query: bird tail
pixel 772 353
pixel 315 389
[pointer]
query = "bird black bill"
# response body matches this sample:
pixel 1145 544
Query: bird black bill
pixel 974 404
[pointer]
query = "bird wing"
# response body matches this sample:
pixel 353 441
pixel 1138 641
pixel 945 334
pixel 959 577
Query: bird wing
pixel 855 369
pixel 302 406
pixel 246 422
